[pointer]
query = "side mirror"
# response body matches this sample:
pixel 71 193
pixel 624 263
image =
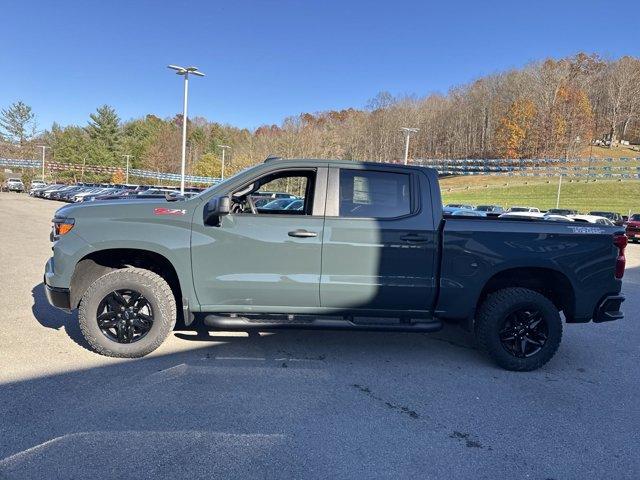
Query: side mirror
pixel 215 208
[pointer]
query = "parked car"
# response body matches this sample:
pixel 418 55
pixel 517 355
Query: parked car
pixel 633 228
pixel 376 258
pixel 36 184
pixel 14 185
pixel 524 209
pixel 459 205
pixel 592 219
pixel 65 194
pixel 616 218
pixel 278 204
pixel 490 210
pixel 47 193
pixel 44 192
pixel 562 211
pixel 465 212
pixel 535 216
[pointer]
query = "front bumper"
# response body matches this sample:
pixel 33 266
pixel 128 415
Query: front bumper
pixel 58 297
pixel 609 309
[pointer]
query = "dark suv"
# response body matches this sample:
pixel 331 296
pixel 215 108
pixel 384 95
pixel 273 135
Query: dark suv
pixel 616 218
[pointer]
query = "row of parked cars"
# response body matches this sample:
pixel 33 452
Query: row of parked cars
pixel 89 192
pixel 631 224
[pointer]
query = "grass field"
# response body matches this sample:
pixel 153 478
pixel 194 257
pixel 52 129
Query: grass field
pixel 611 195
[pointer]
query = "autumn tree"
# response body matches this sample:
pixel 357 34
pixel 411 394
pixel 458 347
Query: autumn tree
pixel 514 131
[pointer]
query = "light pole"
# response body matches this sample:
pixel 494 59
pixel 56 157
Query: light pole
pixel 185 71
pixel 559 189
pixel 224 148
pixel 408 131
pixel 43 147
pixel 128 157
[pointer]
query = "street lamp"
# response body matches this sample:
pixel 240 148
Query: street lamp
pixel 408 131
pixel 128 157
pixel 224 148
pixel 185 71
pixel 43 147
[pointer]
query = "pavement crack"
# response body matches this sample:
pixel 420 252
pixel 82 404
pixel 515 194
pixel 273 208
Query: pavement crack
pixel 390 405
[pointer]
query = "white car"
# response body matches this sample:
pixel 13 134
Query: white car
pixel 15 185
pixel 80 197
pixel 592 219
pixel 537 215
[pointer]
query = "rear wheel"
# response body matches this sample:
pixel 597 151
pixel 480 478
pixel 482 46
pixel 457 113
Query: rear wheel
pixel 520 329
pixel 127 313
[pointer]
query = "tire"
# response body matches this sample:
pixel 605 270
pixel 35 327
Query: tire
pixel 155 292
pixel 507 311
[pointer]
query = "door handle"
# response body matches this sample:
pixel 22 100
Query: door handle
pixel 302 233
pixel 414 238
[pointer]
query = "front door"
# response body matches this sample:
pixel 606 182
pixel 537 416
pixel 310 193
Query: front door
pixel 265 256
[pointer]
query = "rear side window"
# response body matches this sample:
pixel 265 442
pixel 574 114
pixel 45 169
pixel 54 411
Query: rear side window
pixel 371 194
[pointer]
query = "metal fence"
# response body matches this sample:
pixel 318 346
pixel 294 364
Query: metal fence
pixel 619 168
pixel 626 167
pixel 135 172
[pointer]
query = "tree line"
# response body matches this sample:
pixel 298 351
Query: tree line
pixel 551 108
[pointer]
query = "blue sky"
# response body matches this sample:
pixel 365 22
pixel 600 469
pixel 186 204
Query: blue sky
pixel 266 60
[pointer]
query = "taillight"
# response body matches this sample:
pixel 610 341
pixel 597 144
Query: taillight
pixel 620 241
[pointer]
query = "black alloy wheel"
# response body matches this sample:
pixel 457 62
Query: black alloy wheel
pixel 124 316
pixel 524 333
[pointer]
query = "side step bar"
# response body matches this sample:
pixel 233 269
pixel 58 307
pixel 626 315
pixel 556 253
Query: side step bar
pixel 233 322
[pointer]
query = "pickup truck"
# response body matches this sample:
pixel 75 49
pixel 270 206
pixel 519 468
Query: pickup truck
pixel 369 250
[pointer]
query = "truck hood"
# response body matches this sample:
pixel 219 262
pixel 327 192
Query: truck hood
pixel 126 208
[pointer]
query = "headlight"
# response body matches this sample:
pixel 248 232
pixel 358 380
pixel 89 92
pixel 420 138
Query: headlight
pixel 61 226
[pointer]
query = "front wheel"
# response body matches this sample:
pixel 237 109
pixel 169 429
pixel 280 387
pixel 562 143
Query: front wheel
pixel 127 313
pixel 519 328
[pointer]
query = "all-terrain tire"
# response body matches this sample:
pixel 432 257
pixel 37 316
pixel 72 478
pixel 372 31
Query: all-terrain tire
pixel 155 290
pixel 494 311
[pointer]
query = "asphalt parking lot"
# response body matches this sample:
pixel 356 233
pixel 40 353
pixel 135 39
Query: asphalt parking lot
pixel 302 404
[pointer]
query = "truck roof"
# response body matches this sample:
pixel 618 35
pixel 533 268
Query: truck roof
pixel 336 162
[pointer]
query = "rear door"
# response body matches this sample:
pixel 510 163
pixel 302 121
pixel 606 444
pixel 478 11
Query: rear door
pixel 379 244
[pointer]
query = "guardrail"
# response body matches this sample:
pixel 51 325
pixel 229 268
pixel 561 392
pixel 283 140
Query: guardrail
pixel 135 172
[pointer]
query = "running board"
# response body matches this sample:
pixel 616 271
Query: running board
pixel 274 322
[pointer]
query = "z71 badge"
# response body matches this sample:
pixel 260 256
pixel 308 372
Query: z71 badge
pixel 168 211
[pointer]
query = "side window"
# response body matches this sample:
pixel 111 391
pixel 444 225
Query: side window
pixel 281 193
pixel 374 194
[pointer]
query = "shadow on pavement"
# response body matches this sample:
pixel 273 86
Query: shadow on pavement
pixel 51 317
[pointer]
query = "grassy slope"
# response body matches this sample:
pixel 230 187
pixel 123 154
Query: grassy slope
pixel 611 195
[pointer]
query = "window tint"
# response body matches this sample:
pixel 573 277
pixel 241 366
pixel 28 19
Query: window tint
pixel 374 194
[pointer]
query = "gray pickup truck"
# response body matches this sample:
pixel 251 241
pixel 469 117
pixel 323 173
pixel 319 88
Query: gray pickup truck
pixel 367 248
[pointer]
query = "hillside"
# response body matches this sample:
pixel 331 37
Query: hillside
pixel 613 195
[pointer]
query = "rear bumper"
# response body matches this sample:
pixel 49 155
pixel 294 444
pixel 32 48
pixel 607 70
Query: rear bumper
pixel 609 309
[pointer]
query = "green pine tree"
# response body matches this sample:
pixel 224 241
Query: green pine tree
pixel 18 122
pixel 105 136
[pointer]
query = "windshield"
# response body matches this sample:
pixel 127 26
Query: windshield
pixel 635 217
pixel 519 209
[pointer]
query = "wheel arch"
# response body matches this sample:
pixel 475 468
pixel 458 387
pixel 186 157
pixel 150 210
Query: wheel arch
pixel 97 263
pixel 549 282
